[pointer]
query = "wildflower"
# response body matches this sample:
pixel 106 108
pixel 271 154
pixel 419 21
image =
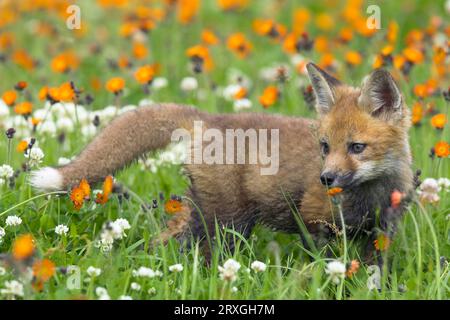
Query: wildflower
pixel 84 185
pixel 2 232
pixel 229 270
pixel 93 272
pixel 77 196
pixel 428 191
pixel 396 198
pixel 269 96
pixel 43 269
pixel 374 281
pixel 417 113
pixel 61 229
pixel 444 184
pixel 135 286
pixel 144 272
pixel 9 97
pixel 438 121
pixel 413 55
pixel 336 270
pixel 13 288
pixel 324 21
pixel 173 206
pixel 352 268
pixel 159 83
pixel 144 75
pixel 187 10
pixel 442 149
pixel 151 291
pixel 102 293
pixel 200 57
pixel 242 104
pixel 239 44
pixel 13 221
pixel 334 191
pixel 22 146
pixel 6 172
pixel 382 243
pixel 209 38
pixel 353 58
pixel 24 108
pixel 102 197
pixel 35 156
pixel 23 247
pixel 258 266
pixel 189 84
pixel 176 267
pixel 123 297
pixel 2 271
pixel 119 227
pixel 115 85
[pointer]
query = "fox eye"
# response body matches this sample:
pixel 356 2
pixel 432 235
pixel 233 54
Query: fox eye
pixel 325 147
pixel 357 147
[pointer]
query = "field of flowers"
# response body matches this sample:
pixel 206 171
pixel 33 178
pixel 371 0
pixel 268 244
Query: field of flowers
pixel 60 83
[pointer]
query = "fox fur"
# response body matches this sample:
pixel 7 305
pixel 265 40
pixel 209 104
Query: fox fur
pixel 374 115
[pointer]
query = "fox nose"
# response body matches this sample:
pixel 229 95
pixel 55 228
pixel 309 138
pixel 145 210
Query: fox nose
pixel 327 178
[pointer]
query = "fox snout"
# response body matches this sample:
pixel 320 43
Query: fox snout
pixel 335 178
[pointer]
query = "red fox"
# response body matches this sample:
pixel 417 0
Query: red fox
pixel 359 143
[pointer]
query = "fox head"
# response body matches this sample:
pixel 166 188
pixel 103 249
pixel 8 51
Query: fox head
pixel 362 131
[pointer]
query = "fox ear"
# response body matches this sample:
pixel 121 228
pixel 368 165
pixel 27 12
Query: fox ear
pixel 380 96
pixel 323 85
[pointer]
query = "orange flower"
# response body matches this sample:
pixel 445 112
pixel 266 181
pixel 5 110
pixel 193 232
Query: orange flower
pixel 352 268
pixel 240 94
pixel 43 269
pixel 420 90
pixel 22 146
pixel 239 44
pixel 23 59
pixel 64 62
pixel 396 198
pixel 300 20
pixel 115 85
pixel 108 184
pixel 268 27
pixel 21 85
pixel 442 149
pixel 43 93
pixel 417 113
pixel 187 10
pixel 35 121
pixel 9 97
pixel 353 58
pixel 77 197
pixel 209 38
pixel 25 108
pixel 346 34
pixel 269 96
pixel 413 55
pixel 324 21
pixel 232 4
pixel 23 247
pixel 66 92
pixel 200 53
pixel 392 32
pixel 382 243
pixel 140 51
pixel 145 74
pixel 439 121
pixel 173 206
pixel 84 185
pixel 334 191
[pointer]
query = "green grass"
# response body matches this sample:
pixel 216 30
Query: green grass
pixel 292 272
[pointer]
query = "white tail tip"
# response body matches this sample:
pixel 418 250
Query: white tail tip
pixel 46 179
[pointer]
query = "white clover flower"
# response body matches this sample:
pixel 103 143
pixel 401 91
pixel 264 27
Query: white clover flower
pixel 2 232
pixel 2 181
pixel 4 110
pixel 336 270
pixel 159 83
pixel 63 161
pixel 2 271
pixel 144 272
pixel 229 270
pixel 12 221
pixel 102 293
pixel 428 191
pixel 35 156
pixel 176 267
pixel 61 229
pixel 47 127
pixel 65 124
pixel 258 266
pixel 234 289
pixel 151 291
pixel 444 184
pixel 89 130
pixel 242 104
pixel 13 288
pixel 189 84
pixel 135 286
pixel 6 172
pixel 145 102
pixel 93 271
pixel 125 298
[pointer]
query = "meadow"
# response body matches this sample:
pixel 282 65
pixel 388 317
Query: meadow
pixel 60 84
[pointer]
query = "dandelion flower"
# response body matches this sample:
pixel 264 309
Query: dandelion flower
pixel 336 270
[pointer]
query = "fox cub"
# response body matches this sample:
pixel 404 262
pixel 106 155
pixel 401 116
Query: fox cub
pixel 359 143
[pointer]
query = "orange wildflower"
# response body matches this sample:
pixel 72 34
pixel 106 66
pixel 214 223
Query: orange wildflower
pixel 240 94
pixel 413 55
pixel 346 34
pixel 334 191
pixel 200 54
pixel 9 97
pixel 23 247
pixel 25 108
pixel 43 269
pixel 239 44
pixel 300 20
pixel 145 74
pixel 187 10
pixel 21 85
pixel 417 113
pixel 23 59
pixel 35 121
pixel 442 149
pixel 209 38
pixel 382 243
pixel 43 93
pixel 140 51
pixel 77 197
pixel 396 198
pixel 22 146
pixel 392 31
pixel 66 92
pixel 108 184
pixel 232 4
pixel 115 85
pixel 420 90
pixel 269 96
pixel 64 62
pixel 84 185
pixel 352 268
pixel 439 121
pixel 325 21
pixel 173 206
pixel 353 58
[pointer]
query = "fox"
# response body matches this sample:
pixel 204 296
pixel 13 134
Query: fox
pixel 358 143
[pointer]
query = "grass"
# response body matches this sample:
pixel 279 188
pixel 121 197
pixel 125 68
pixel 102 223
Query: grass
pixel 418 251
